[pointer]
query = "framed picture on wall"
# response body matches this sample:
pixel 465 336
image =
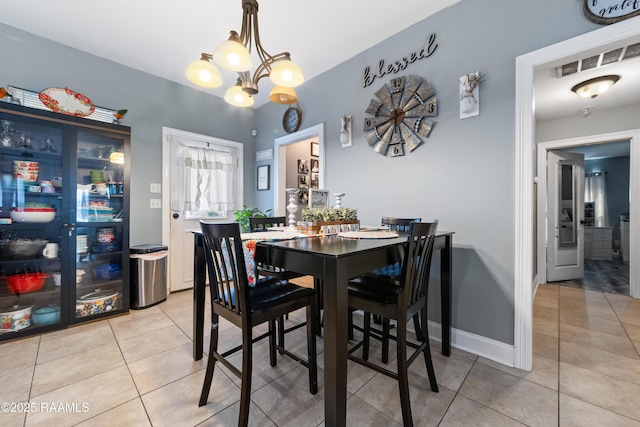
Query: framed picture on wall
pixel 315 166
pixel 318 198
pixel 263 177
pixel 303 181
pixel 315 149
pixel 303 166
pixel 315 180
pixel 303 197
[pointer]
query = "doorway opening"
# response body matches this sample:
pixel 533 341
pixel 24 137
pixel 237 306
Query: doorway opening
pixel 604 235
pixel 280 160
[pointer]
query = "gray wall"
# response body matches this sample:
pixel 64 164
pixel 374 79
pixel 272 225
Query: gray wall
pixel 462 175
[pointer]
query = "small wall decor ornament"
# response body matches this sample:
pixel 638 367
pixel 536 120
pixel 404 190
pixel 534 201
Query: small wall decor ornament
pixel 345 131
pixel 470 94
pixel 400 117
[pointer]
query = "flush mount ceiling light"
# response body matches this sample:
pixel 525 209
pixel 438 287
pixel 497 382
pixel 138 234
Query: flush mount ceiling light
pixel 235 55
pixel 594 87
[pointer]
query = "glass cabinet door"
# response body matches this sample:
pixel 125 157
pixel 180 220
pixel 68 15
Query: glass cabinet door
pixel 101 237
pixel 31 225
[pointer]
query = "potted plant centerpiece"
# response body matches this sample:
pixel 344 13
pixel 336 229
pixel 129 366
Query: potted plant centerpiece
pixel 243 215
pixel 317 217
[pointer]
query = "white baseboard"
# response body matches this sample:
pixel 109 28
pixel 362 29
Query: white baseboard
pixel 472 343
pixel 476 344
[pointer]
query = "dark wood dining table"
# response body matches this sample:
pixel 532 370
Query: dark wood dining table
pixel 334 260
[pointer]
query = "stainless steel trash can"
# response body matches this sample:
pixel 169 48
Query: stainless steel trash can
pixel 148 275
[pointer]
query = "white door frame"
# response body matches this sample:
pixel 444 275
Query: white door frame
pixel 524 188
pixel 279 174
pixel 634 191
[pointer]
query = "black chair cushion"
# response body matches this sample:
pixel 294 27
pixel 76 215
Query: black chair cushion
pixel 375 288
pixel 272 292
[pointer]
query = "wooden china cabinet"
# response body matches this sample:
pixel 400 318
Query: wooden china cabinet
pixel 64 220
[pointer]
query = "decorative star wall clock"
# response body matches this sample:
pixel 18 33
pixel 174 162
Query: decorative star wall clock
pixel 400 116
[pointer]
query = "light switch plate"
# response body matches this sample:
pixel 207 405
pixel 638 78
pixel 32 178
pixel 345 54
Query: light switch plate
pixel 155 203
pixel 155 188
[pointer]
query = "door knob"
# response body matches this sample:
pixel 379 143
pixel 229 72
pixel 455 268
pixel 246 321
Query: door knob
pixel 176 215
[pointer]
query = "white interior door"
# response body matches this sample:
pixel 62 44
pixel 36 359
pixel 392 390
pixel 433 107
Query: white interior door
pixel 565 216
pixel 181 226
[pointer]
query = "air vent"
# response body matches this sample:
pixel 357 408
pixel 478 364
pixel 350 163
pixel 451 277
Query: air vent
pixel 610 57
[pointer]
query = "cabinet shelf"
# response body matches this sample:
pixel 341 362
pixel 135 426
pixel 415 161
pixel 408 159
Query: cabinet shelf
pixel 22 154
pixel 31 226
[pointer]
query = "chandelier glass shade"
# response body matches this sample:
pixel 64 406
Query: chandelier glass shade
pixel 204 73
pixel 594 87
pixel 238 97
pixel 232 55
pixel 283 95
pixel 235 54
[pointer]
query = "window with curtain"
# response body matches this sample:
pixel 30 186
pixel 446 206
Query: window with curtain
pixel 595 191
pixel 206 183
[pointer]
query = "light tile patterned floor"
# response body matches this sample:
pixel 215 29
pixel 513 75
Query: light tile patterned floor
pixel 137 370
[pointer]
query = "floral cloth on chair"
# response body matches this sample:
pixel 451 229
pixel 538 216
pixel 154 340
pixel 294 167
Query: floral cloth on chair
pixel 249 241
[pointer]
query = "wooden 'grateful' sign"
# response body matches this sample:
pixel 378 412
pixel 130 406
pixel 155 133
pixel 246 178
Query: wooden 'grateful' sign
pixel 610 11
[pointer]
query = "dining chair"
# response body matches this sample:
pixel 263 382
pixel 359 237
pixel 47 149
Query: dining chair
pixel 257 224
pixel 399 299
pixel 248 306
pixel 399 224
pixel 261 224
pixel 392 271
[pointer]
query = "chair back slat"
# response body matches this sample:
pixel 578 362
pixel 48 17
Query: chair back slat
pixel 261 224
pixel 399 224
pixel 226 267
pixel 417 261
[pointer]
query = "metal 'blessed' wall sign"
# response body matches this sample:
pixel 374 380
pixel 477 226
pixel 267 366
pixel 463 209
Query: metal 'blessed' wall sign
pixel 610 11
pixel 382 69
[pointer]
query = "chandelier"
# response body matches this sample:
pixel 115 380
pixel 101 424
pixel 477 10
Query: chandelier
pixel 235 54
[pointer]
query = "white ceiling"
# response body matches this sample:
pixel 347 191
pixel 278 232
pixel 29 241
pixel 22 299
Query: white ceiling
pixel 163 37
pixel 554 98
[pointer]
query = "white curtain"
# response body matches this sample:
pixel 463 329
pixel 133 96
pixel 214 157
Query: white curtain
pixel 595 191
pixel 206 182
